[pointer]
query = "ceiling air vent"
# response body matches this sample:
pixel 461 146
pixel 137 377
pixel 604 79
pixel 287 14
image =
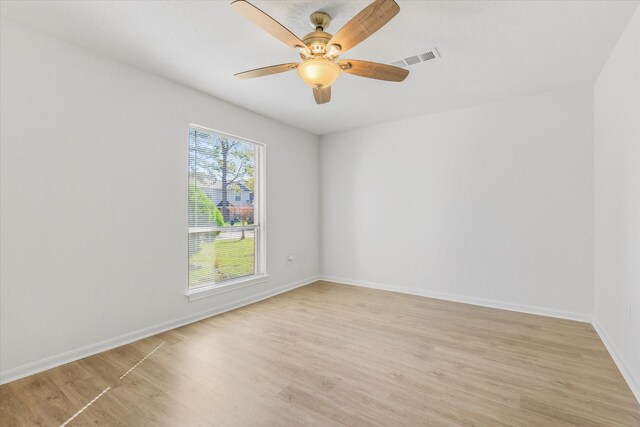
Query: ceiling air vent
pixel 427 56
pixel 416 59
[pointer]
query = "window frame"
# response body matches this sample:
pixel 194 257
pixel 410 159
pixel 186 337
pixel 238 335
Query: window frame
pixel 260 224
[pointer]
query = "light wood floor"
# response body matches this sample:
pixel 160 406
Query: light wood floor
pixel 329 354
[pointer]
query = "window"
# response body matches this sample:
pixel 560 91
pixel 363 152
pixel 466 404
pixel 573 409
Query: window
pixel 226 243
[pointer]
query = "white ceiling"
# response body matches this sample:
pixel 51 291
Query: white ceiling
pixel 491 50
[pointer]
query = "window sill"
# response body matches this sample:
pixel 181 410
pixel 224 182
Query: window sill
pixel 210 290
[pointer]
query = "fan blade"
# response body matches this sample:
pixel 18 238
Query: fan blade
pixel 265 71
pixel 267 23
pixel 322 95
pixel 373 70
pixel 368 21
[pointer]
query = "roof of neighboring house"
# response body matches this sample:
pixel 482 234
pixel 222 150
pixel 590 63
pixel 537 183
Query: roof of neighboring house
pixel 203 181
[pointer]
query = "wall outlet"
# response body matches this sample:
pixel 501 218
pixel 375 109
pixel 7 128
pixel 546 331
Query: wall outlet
pixel 290 259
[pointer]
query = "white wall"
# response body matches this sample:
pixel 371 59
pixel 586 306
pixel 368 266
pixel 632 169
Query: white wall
pixel 617 202
pixel 491 204
pixel 94 209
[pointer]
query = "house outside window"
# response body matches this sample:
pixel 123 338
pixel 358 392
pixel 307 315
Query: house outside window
pixel 225 210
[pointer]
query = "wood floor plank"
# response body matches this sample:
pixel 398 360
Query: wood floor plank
pixel 334 355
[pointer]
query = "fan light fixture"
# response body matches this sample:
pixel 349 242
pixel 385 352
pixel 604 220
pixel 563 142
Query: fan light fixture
pixel 319 72
pixel 319 50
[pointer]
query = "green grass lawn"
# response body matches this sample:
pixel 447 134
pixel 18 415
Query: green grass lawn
pixel 222 259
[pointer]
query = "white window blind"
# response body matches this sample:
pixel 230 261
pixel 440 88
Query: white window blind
pixel 224 232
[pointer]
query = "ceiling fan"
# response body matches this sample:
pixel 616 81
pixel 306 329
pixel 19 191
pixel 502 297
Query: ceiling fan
pixel 319 50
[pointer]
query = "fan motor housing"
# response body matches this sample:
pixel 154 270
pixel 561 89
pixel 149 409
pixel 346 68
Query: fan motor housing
pixel 317 42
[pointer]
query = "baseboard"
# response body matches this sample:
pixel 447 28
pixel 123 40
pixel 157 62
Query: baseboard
pixel 31 368
pixel 580 317
pixel 618 359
